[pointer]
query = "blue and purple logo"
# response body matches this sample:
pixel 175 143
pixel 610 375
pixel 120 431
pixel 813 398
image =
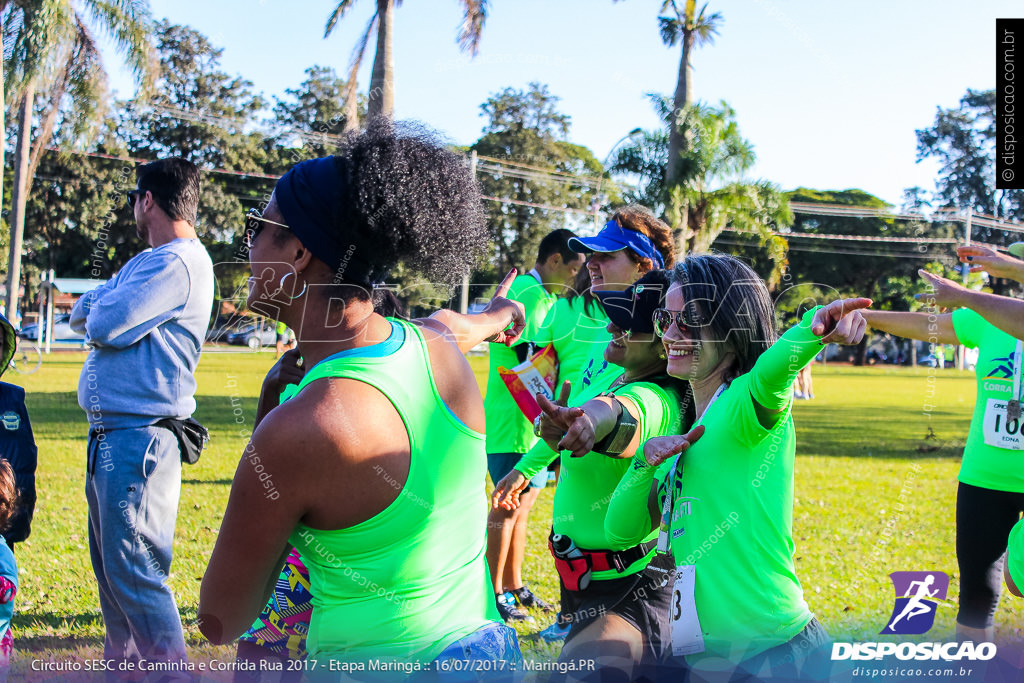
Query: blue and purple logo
pixel 917 596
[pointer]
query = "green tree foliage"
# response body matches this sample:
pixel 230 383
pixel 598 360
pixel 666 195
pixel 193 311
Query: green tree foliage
pixel 962 140
pixel 312 117
pixel 711 192
pixel 528 135
pixel 863 268
pixel 55 70
pixel 203 114
pixel 886 273
pixel 692 28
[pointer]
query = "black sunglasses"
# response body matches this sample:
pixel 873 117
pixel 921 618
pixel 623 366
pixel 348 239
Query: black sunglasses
pixel 254 224
pixel 663 319
pixel 133 196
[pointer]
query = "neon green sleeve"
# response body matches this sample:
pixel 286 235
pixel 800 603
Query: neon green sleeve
pixel 771 380
pixel 1015 555
pixel 969 327
pixel 535 460
pixel 628 521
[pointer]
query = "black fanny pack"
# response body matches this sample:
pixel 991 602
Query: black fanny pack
pixel 192 437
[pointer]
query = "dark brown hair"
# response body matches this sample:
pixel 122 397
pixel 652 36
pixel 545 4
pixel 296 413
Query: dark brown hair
pixel 640 219
pixel 9 496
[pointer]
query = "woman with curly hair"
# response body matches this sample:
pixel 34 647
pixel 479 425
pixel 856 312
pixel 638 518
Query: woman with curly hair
pixel 375 470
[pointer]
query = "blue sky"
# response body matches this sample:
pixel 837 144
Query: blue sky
pixel 829 93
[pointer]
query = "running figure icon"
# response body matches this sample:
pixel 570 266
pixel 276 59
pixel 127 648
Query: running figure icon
pixel 917 595
pixel 915 606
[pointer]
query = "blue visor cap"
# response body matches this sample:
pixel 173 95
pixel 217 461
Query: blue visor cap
pixel 633 310
pixel 613 237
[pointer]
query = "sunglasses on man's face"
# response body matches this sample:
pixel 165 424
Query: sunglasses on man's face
pixel 254 224
pixel 133 196
pixel 663 319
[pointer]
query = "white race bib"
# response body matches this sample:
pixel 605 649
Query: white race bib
pixel 999 431
pixel 687 638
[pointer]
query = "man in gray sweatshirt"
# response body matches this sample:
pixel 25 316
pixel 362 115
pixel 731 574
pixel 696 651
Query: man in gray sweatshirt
pixel 145 327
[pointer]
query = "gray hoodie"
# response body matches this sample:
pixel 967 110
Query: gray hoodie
pixel 146 327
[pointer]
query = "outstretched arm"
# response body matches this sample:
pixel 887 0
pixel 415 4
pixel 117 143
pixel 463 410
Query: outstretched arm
pixel 937 329
pixel 501 322
pixel 772 377
pixel 633 511
pixel 984 259
pixel 1002 311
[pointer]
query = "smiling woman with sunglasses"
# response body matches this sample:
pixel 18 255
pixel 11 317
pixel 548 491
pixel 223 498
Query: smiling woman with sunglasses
pixel 725 503
pixel 615 602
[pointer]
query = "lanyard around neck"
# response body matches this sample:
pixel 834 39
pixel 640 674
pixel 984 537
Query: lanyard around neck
pixel 1018 367
pixel 666 508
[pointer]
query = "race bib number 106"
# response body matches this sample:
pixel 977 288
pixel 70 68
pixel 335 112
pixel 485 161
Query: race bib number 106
pixel 1000 431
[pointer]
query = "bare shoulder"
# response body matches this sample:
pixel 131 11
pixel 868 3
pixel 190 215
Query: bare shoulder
pixel 339 412
pixel 452 374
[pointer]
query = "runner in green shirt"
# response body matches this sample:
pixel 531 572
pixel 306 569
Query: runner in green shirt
pixel 632 243
pixel 509 433
pixel 990 492
pixel 610 595
pixel 736 600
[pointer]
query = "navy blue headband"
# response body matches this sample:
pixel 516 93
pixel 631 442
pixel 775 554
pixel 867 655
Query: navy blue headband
pixel 613 237
pixel 310 196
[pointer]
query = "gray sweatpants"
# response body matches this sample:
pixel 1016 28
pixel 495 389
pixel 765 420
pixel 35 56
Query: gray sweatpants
pixel 132 485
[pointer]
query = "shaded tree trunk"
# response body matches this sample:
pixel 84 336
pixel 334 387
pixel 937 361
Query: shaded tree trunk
pixel 862 352
pixel 683 98
pixel 382 86
pixel 19 198
pixel 351 110
pixel 862 348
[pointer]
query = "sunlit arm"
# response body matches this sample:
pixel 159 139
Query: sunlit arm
pixel 937 329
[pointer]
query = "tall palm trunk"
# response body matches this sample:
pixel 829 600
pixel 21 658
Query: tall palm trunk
pixel 683 99
pixel 382 86
pixel 19 196
pixel 351 110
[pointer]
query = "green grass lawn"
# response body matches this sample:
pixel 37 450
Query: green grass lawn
pixel 870 434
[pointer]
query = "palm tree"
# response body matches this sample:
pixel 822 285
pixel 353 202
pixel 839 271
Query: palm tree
pixel 710 192
pixel 382 90
pixel 695 29
pixel 54 51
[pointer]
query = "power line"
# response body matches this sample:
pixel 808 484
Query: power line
pixel 858 238
pixel 845 252
pixel 546 207
pixel 493 166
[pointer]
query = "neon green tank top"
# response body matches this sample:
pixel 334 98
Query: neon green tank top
pixel 406 583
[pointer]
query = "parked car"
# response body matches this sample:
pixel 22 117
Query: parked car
pixel 253 336
pixel 62 331
pixel 223 325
